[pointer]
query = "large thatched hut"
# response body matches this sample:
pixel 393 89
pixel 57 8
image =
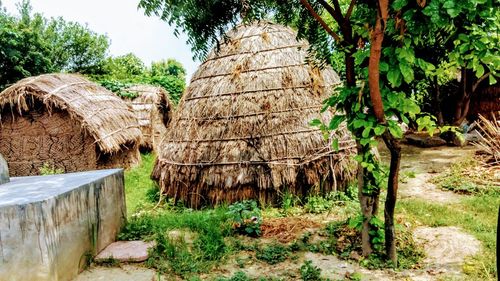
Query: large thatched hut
pixel 153 109
pixel 242 129
pixel 66 122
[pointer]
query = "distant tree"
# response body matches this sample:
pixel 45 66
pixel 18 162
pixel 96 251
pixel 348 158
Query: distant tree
pixel 23 50
pixel 76 48
pixel 124 71
pixel 31 45
pixel 124 67
pixel 168 67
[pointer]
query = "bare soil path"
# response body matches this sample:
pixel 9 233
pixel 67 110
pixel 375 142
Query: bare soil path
pixel 425 163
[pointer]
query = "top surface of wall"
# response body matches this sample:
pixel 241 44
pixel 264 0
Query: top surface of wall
pixel 25 190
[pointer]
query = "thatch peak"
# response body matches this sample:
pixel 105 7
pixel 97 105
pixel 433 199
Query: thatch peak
pixel 242 127
pixel 101 113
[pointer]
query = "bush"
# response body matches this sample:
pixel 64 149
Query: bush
pixel 309 272
pixel 245 218
pixel 272 254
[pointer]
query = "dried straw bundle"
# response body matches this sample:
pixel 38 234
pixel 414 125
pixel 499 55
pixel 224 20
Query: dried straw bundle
pixel 153 109
pixel 67 112
pixel 489 141
pixel 242 127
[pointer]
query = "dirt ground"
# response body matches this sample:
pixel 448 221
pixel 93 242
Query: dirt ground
pixel 446 248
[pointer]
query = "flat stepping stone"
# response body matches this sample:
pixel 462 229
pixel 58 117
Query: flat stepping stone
pixel 125 251
pixel 425 140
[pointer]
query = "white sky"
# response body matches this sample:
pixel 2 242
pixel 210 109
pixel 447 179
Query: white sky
pixel 128 28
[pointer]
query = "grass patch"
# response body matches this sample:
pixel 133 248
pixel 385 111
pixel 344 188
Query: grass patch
pixel 138 184
pixel 174 254
pixel 476 215
pixel 346 241
pixel 468 177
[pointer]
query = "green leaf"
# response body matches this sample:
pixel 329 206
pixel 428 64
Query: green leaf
pixel 315 123
pixel 358 123
pixel 366 132
pixel 407 72
pixel 379 130
pixel 463 37
pixel 492 79
pixel 449 4
pixel 479 70
pixel 335 122
pixel 335 145
pixel 394 77
pixel 394 129
pixel 384 67
pixel 399 4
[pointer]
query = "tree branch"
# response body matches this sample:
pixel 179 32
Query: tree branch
pixel 320 20
pixel 474 87
pixel 349 11
pixel 336 14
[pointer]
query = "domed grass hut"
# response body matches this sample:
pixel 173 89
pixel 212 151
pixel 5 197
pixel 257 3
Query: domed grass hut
pixel 153 109
pixel 65 122
pixel 241 130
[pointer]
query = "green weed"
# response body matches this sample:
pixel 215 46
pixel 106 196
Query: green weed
pixel 246 218
pixel 48 169
pixel 309 272
pixel 273 253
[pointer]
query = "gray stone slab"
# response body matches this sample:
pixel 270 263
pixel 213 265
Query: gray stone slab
pixel 50 225
pixel 125 251
pixel 4 170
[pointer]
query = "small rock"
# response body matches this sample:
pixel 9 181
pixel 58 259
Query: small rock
pixel 126 251
pixel 472 137
pixel 355 256
pixel 425 140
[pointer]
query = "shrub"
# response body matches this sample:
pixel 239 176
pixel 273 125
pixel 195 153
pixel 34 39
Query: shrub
pixel 246 218
pixel 272 254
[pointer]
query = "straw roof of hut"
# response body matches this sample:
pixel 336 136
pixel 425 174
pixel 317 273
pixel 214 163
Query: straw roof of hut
pixel 153 109
pixel 101 113
pixel 241 130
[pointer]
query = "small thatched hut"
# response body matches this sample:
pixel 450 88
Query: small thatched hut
pixel 242 128
pixel 66 122
pixel 153 109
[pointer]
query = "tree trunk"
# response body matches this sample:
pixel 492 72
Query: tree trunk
pixel 369 206
pixel 437 102
pixel 392 195
pixel 463 100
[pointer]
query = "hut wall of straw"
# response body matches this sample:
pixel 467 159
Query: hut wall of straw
pixel 486 102
pixel 67 122
pixel 153 109
pixel 241 130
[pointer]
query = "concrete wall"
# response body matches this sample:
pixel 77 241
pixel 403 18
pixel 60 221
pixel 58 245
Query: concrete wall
pixel 50 225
